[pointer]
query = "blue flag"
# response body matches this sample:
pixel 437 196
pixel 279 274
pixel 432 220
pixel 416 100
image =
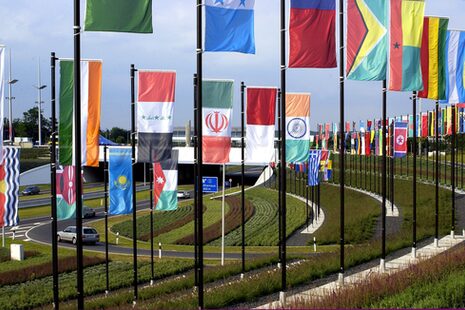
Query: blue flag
pixel 314 159
pixel 229 26
pixel 120 181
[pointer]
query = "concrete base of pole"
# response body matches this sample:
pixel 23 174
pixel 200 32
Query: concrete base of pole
pixel 414 253
pixel 242 276
pixel 463 232
pixel 436 243
pixel 282 298
pixel 151 282
pixel 279 265
pixel 134 303
pixel 452 234
pixel 106 293
pixel 382 265
pixel 340 279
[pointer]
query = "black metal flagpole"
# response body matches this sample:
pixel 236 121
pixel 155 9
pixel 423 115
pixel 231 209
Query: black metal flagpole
pixel 199 121
pixel 77 153
pixel 152 269
pixel 278 160
pixel 392 167
pixel 242 177
pixel 133 185
pixel 452 173
pixel 105 190
pixel 414 184
pixel 383 206
pixel 196 263
pixel 436 214
pixel 341 149
pixel 53 178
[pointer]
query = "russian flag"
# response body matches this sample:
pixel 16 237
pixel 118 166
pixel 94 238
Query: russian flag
pixel 312 34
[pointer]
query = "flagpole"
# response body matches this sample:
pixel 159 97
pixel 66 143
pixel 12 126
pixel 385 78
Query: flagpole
pixel 282 295
pixel 242 176
pixel 452 173
pixel 133 185
pixel 53 178
pixel 414 184
pixel 436 213
pixel 342 148
pixel 152 270
pixel 222 217
pixel 278 160
pixel 105 190
pixel 392 165
pixel 199 121
pixel 77 152
pixel 196 264
pixel 383 229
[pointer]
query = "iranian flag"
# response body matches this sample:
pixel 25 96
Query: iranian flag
pixel 165 176
pixel 155 109
pixel 91 92
pixel 261 106
pixel 217 112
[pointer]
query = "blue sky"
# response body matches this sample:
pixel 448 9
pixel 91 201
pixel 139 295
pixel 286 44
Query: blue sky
pixel 34 28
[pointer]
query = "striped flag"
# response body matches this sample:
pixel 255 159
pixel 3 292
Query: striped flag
pixel 455 72
pixel 217 113
pixel 433 49
pixel 297 127
pixel 165 183
pixel 314 158
pixel 400 139
pixel 260 132
pixel 155 111
pixel 91 92
pixel 2 83
pixel 406 33
pixel 9 187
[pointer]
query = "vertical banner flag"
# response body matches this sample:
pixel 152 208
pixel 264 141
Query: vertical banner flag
pixel 165 185
pixel 326 165
pixel 217 113
pixel 9 187
pixel 367 23
pixel 155 110
pixel 406 34
pixel 400 139
pixel 433 48
pixel 455 62
pixel 260 131
pixel 314 159
pixel 229 26
pixel 119 16
pixel 297 127
pixel 120 170
pixel 91 93
pixel 424 125
pixel 410 126
pixel 335 137
pixel 66 192
pixel 2 96
pixel 312 34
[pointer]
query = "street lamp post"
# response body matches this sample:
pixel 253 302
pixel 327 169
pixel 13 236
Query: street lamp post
pixel 10 98
pixel 39 101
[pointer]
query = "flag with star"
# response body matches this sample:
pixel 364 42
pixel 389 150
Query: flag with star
pixel 165 183
pixel 229 26
pixel 406 36
pixel 367 43
pixel 120 172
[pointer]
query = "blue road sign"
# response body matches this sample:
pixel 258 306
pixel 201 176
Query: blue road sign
pixel 210 184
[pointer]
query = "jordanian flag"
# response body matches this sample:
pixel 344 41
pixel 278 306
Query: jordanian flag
pixel 119 16
pixel 91 92
pixel 406 33
pixel 433 55
pixel 165 183
pixel 367 40
pixel 297 127
pixel 155 110
pixel 217 112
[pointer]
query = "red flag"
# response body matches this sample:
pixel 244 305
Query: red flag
pixel 400 139
pixel 424 125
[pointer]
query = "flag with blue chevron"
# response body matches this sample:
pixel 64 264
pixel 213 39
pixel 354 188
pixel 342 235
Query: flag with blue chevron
pixel 9 187
pixel 314 158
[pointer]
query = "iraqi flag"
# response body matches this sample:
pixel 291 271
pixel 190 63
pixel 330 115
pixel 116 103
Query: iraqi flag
pixel 155 110
pixel 91 93
pixel 260 132
pixel 9 187
pixel 165 183
pixel 217 104
pixel 400 139
pixel 312 34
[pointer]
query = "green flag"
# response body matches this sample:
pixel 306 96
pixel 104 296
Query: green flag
pixel 119 16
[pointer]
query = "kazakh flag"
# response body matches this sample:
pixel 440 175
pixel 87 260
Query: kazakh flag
pixel 367 40
pixel 120 170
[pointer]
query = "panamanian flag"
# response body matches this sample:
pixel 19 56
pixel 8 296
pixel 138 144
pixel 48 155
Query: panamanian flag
pixel 165 183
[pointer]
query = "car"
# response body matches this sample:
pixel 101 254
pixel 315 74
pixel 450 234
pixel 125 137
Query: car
pixel 183 195
pixel 31 190
pixel 87 212
pixel 89 235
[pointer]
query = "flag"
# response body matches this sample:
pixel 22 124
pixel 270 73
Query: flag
pixel 424 125
pixel 119 16
pixel 367 43
pixel 326 165
pixel 2 83
pixel 410 126
pixel 433 48
pixel 155 110
pixel 260 131
pixel 66 192
pixel 9 187
pixel 120 171
pixel 314 159
pixel 165 185
pixel 312 34
pixel 406 33
pixel 367 143
pixel 229 26
pixel 217 113
pixel 91 92
pixel 400 138
pixel 455 62
pixel 297 127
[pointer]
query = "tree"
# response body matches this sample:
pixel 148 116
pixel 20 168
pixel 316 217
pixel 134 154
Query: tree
pixel 28 125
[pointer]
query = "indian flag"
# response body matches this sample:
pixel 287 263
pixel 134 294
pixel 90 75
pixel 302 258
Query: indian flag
pixel 297 127
pixel 165 183
pixel 91 92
